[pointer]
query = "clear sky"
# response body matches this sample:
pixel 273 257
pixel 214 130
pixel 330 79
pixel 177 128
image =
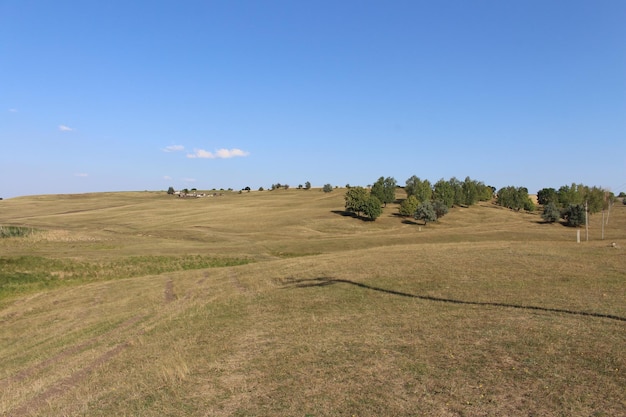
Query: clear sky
pixel 142 95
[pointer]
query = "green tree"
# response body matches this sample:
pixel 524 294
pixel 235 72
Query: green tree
pixel 170 190
pixel 441 209
pixel 575 215
pixel 409 206
pixel 547 195
pixel 597 199
pixel 485 192
pixel 422 190
pixel 551 212
pixel 514 198
pixel 307 185
pixel 355 199
pixel 529 205
pixel 470 191
pixel 457 190
pixel 327 188
pixel 385 190
pixel 570 195
pixel 443 191
pixel 372 207
pixel 425 212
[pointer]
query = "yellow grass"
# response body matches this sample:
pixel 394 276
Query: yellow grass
pixel 489 312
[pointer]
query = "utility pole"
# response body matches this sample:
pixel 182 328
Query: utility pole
pixel 586 222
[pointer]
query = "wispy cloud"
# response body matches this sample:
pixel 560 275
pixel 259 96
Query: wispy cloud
pixel 174 148
pixel 189 179
pixel 81 174
pixel 12 110
pixel 219 154
pixel 64 128
pixel 167 177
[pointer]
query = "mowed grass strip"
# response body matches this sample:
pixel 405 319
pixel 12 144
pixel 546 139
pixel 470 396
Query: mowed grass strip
pixel 480 314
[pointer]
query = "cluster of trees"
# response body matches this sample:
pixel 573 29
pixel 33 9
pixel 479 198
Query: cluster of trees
pixel 515 198
pixel 425 201
pixel 362 202
pixel 429 202
pixel 452 192
pixel 572 203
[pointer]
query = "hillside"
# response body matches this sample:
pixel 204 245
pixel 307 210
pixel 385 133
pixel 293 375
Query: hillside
pixel 278 303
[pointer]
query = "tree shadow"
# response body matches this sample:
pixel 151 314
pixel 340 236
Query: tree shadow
pixel 344 213
pixel 352 214
pixel 327 281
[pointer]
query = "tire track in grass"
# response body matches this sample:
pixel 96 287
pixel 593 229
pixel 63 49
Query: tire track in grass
pixel 67 383
pixel 57 388
pixel 169 293
pixel 64 354
pixel 236 282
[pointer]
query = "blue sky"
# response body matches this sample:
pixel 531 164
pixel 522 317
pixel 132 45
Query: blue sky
pixel 118 95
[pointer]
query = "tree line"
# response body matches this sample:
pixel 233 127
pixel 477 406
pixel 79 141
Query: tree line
pixel 425 201
pixel 573 202
pixel 428 202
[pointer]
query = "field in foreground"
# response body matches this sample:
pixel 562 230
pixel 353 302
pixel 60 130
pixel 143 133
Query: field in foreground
pixel 277 303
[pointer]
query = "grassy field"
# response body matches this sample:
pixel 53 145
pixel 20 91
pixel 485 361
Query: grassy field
pixel 279 304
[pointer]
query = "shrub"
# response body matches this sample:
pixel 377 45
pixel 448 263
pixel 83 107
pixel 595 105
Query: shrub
pixel 409 206
pixel 441 209
pixel 575 215
pixel 551 212
pixel 426 212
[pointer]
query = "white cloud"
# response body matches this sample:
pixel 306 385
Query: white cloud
pixel 64 128
pixel 167 177
pixel 174 148
pixel 81 174
pixel 13 110
pixel 219 154
pixel 189 179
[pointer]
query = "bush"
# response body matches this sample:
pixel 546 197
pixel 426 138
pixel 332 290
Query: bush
pixel 575 215
pixel 551 212
pixel 408 206
pixel 441 209
pixel 327 188
pixel 426 212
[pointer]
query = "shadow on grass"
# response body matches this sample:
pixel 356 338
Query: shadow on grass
pixel 345 213
pixel 325 281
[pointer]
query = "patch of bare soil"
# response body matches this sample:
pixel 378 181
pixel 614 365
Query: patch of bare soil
pixel 169 293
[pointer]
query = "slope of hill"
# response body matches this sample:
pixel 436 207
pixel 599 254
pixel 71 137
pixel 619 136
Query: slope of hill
pixel 278 303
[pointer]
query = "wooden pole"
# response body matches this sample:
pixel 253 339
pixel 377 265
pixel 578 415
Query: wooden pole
pixel 586 222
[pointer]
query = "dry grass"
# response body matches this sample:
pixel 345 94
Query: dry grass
pixel 488 312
